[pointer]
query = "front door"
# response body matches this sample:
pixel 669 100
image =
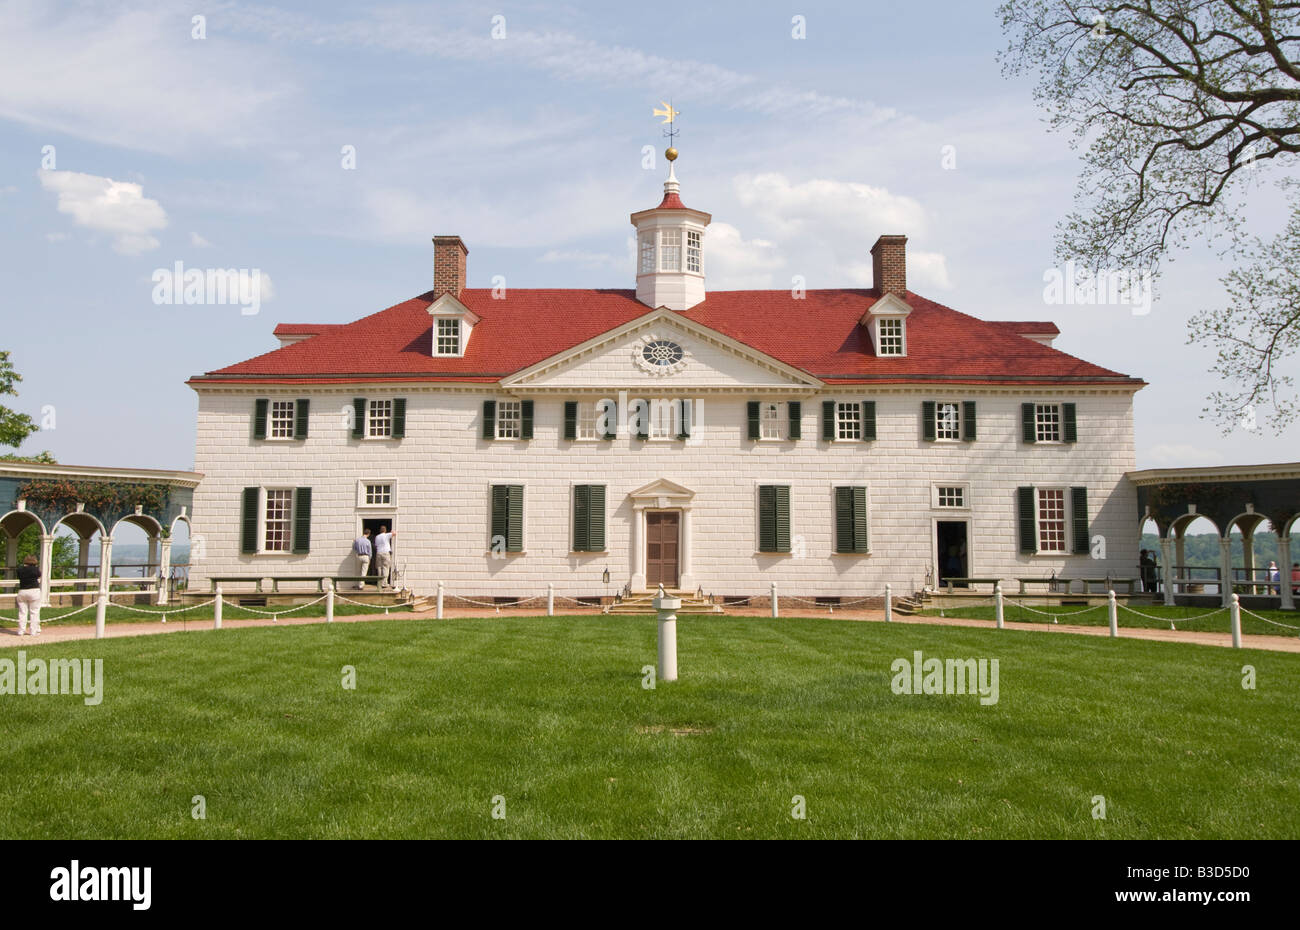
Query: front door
pixel 661 568
pixel 951 549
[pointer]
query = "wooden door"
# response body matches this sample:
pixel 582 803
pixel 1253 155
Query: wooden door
pixel 661 548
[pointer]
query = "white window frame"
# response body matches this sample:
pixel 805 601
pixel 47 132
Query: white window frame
pixel 671 247
pixel 439 336
pixel 774 421
pixel 695 251
pixel 1043 423
pixel 1064 520
pixel 956 421
pixel 936 496
pixel 663 419
pixel 647 258
pixel 372 419
pixel 855 422
pixel 515 418
pixel 588 424
pixel 264 519
pixel 271 419
pixel 881 336
pixel 362 483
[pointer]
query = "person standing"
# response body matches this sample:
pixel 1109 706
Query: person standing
pixel 1273 587
pixel 362 549
pixel 1147 571
pixel 29 596
pixel 384 554
pixel 1295 577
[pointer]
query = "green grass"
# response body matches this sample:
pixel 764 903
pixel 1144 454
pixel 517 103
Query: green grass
pixel 1184 618
pixel 75 616
pixel 550 713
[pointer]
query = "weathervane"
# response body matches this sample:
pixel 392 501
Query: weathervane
pixel 670 117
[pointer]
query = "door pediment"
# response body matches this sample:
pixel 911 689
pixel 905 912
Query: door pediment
pixel 662 493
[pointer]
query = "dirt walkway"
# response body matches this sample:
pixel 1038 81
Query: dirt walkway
pixel 56 634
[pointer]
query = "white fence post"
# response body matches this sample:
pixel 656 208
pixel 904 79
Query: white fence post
pixel 329 602
pixel 101 608
pixel 550 600
pixel 776 611
pixel 216 610
pixel 667 607
pixel 997 603
pixel 1113 609
pixel 438 615
pixel 889 603
pixel 1234 612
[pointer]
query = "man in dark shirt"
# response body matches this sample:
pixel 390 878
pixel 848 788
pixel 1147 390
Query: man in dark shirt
pixel 29 596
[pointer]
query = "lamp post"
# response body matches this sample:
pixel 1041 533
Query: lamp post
pixel 604 579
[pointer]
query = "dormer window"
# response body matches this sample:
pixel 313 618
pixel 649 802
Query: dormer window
pixel 890 336
pixel 448 337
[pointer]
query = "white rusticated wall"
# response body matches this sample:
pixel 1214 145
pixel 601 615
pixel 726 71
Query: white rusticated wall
pixel 443 470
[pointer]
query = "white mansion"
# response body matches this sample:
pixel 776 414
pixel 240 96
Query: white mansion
pixel 828 440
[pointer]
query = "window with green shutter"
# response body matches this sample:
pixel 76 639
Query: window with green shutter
pixel 774 518
pixel 300 418
pixel 851 523
pixel 794 410
pixel 301 521
pixel 589 518
pixel 248 525
pixel 868 420
pixel 526 419
pixel 358 418
pixel 753 412
pixel 828 420
pixel 489 419
pixel 968 420
pixel 399 418
pixel 1070 423
pixel 1079 520
pixel 507 517
pixel 927 420
pixel 259 417
pixel 685 418
pixel 570 419
pixel 1025 517
pixel 1028 423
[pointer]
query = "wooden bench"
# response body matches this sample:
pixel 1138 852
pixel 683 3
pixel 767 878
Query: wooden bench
pixel 318 580
pixel 1065 582
pixel 1109 583
pixel 238 579
pixel 969 582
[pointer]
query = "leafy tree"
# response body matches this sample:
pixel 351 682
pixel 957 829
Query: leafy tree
pixel 64 554
pixel 1177 105
pixel 15 427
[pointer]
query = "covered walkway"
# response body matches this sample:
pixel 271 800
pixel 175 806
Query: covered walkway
pixel 1244 496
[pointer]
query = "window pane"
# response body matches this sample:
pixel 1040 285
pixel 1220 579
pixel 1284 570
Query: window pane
pixel 671 250
pixel 773 424
pixel 279 509
pixel 692 251
pixel 1047 421
pixel 281 426
pixel 647 253
pixel 449 337
pixel 379 421
pixel 848 420
pixel 891 337
pixel 379 494
pixel 952 496
pixel 947 421
pixel 1051 520
pixel 510 417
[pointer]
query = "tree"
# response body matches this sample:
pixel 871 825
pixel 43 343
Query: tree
pixel 15 427
pixel 1178 104
pixel 63 556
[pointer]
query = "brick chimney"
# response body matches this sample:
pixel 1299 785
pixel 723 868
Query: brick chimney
pixel 889 266
pixel 448 266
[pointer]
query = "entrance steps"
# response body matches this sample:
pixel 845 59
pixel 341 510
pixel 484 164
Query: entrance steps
pixel 644 604
pixel 911 604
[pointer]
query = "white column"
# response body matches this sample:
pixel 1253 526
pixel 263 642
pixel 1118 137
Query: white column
pixel 11 551
pixel 164 568
pixel 1284 571
pixel 687 580
pixel 83 555
pixel 1225 569
pixel 105 562
pixel 1248 554
pixel 47 565
pixel 1167 569
pixel 638 549
pixel 152 557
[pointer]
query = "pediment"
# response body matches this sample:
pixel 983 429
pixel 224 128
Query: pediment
pixel 662 493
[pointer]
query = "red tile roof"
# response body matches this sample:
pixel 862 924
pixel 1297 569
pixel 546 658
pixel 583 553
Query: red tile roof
pixel 671 202
pixel 819 333
pixel 1030 327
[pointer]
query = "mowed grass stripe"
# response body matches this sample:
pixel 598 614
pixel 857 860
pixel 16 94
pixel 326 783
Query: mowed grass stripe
pixel 550 713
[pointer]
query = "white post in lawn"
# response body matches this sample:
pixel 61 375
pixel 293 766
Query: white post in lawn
pixel 216 610
pixel 1234 613
pixel 101 608
pixel 550 600
pixel 1113 608
pixel 776 611
pixel 438 614
pixel 997 603
pixel 889 603
pixel 667 608
pixel 329 600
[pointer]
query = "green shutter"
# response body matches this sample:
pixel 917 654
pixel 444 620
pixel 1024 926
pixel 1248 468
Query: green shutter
pixel 927 420
pixel 358 418
pixel 828 420
pixel 755 426
pixel 1079 519
pixel 851 519
pixel 611 419
pixel 968 420
pixel 515 520
pixel 500 514
pixel 795 410
pixel 489 419
pixel 526 419
pixel 301 521
pixel 582 518
pixel 570 419
pixel 868 420
pixel 300 409
pixel 399 418
pixel 766 518
pixel 1028 426
pixel 782 518
pixel 640 411
pixel 596 523
pixel 1025 512
pixel 685 411
pixel 1070 423
pixel 259 418
pixel 248 536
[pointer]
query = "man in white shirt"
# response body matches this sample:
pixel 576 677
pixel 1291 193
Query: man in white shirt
pixel 384 555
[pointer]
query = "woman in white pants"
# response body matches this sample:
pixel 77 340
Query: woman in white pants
pixel 29 596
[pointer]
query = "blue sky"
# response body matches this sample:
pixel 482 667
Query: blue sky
pixel 226 152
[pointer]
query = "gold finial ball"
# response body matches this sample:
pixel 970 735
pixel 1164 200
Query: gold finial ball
pixel 671 154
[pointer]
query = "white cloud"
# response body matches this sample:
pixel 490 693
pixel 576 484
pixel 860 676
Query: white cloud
pixel 735 263
pixel 198 241
pixel 118 208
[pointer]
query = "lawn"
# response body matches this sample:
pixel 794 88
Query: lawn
pixel 550 715
pixel 198 615
pixel 1144 616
